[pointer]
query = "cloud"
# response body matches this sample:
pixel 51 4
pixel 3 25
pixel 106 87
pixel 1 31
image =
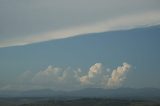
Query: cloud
pixel 68 79
pixel 56 78
pixel 97 77
pixel 94 72
pixel 119 23
pixel 118 76
pixel 27 22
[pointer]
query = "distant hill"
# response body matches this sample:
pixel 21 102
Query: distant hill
pixel 128 93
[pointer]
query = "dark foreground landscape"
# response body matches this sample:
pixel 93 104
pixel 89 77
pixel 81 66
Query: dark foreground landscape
pixel 75 102
pixel 84 97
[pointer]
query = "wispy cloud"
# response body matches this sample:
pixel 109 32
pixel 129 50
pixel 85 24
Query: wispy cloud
pixel 119 23
pixel 68 79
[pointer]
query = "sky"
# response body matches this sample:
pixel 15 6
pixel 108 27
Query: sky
pixel 75 44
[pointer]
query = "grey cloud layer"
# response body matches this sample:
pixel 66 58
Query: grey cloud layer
pixel 26 22
pixel 68 79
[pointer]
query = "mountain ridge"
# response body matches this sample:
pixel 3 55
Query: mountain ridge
pixel 143 93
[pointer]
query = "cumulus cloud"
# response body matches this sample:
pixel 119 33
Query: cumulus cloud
pixel 94 71
pixel 68 79
pixel 118 76
pixel 56 78
pixel 98 77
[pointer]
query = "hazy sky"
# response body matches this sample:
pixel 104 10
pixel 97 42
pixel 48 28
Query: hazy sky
pixel 119 46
